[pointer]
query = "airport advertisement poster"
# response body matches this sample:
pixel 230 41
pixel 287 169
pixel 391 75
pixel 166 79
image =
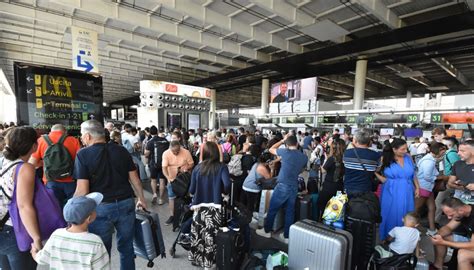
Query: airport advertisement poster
pixel 48 96
pixel 296 90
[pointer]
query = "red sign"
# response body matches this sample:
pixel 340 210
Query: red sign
pixel 171 88
pixel 458 118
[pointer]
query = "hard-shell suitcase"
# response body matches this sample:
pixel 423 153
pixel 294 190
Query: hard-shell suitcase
pixel 303 207
pixel 315 246
pixel 148 240
pixel 364 235
pixel 422 264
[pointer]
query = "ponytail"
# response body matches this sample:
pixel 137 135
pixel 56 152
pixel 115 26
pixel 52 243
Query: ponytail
pixel 388 153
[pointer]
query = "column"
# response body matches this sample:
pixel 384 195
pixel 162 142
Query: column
pixel 265 95
pixel 359 84
pixel 409 96
pixel 212 112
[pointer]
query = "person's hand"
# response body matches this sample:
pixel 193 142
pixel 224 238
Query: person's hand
pixel 34 251
pixel 417 192
pixel 286 136
pixel 470 187
pixel 141 204
pixel 437 240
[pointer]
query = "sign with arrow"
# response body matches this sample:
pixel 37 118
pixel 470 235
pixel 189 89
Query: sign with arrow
pixel 85 53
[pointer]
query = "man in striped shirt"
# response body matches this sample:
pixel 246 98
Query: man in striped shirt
pixel 360 164
pixel 74 247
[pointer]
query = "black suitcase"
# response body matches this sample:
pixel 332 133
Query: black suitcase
pixel 364 237
pixel 303 207
pixel 230 249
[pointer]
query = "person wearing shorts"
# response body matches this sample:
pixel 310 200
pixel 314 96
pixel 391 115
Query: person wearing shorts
pixel 461 215
pixel 175 159
pixel 154 150
pixel 427 175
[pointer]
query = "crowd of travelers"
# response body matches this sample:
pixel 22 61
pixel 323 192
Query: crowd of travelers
pixel 99 192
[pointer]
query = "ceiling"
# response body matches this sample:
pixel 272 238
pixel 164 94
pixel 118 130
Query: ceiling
pixel 196 41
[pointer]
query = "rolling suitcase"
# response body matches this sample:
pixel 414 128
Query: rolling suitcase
pixel 364 235
pixel 229 249
pixel 148 239
pixel 303 207
pixel 315 246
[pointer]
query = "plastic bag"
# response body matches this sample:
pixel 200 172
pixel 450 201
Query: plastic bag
pixel 334 211
pixel 278 259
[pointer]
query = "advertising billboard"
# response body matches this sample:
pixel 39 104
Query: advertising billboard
pixel 296 90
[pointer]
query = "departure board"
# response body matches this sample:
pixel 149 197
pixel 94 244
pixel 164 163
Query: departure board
pixel 48 96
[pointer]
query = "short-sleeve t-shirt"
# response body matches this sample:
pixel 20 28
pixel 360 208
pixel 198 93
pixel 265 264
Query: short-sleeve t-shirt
pixel 468 223
pixel 292 162
pixel 307 142
pixel 173 162
pixel 406 239
pixel 162 145
pixel 114 185
pixel 70 143
pixel 356 179
pixel 465 173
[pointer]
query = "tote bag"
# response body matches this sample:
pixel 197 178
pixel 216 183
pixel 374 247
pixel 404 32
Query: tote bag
pixel 48 213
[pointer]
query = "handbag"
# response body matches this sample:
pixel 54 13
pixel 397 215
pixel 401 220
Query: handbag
pixel 48 213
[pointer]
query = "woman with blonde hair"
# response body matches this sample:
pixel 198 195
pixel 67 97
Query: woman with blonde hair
pixel 210 137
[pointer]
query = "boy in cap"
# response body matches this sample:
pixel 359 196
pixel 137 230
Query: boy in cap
pixel 74 247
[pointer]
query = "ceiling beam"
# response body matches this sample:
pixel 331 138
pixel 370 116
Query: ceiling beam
pixel 428 9
pixel 286 11
pixel 451 70
pixel 399 68
pixel 381 11
pixel 381 80
pixel 348 82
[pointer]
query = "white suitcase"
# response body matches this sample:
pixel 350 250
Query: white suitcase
pixel 316 246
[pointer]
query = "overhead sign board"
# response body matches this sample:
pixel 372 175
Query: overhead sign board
pixel 85 52
pixel 48 96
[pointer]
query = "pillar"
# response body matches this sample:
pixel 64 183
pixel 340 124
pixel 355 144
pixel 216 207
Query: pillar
pixel 359 84
pixel 409 96
pixel 212 112
pixel 265 95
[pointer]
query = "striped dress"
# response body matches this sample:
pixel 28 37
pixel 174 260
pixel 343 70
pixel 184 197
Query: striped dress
pixel 67 250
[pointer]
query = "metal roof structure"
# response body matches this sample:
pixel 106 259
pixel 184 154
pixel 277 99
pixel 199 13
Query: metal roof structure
pixel 200 41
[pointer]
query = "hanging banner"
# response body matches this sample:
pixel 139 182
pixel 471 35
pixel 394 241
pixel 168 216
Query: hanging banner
pixel 85 52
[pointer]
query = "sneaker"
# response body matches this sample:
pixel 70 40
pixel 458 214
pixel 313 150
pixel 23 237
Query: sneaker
pixel 160 202
pixel 262 233
pixel 153 200
pixel 169 221
pixel 281 237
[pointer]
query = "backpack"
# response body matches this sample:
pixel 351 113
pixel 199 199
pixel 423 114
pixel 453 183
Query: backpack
pixel 58 163
pixel 159 147
pixel 365 206
pixel 235 165
pixel 226 154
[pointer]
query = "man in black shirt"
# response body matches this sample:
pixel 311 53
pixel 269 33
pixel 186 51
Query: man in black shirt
pixel 462 175
pixel 154 150
pixel 460 215
pixel 109 169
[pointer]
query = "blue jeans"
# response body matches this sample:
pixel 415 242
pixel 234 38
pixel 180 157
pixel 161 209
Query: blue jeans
pixel 121 216
pixel 62 191
pixel 10 256
pixel 284 196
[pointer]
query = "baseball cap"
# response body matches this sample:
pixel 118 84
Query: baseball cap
pixel 77 209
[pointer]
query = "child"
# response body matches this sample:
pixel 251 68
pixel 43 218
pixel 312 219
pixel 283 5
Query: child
pixel 74 247
pixel 404 240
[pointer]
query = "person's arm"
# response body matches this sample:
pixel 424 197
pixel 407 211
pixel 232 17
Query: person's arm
pixel 226 180
pixel 388 240
pixel 138 188
pixel 264 171
pixel 25 186
pixel 274 148
pixel 438 240
pixel 381 178
pixel 200 152
pixel 147 156
pixel 166 173
pixel 189 162
pixel 452 183
pixel 221 154
pixel 165 166
pixel 42 257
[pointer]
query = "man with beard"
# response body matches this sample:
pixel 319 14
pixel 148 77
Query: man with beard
pixel 460 215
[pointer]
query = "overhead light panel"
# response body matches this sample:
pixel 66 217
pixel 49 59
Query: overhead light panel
pixel 438 88
pixel 411 74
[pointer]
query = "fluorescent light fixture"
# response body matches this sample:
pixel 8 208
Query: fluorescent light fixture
pixel 437 88
pixel 411 74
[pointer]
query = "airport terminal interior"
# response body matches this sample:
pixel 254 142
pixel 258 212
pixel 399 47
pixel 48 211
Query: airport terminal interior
pixel 236 134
